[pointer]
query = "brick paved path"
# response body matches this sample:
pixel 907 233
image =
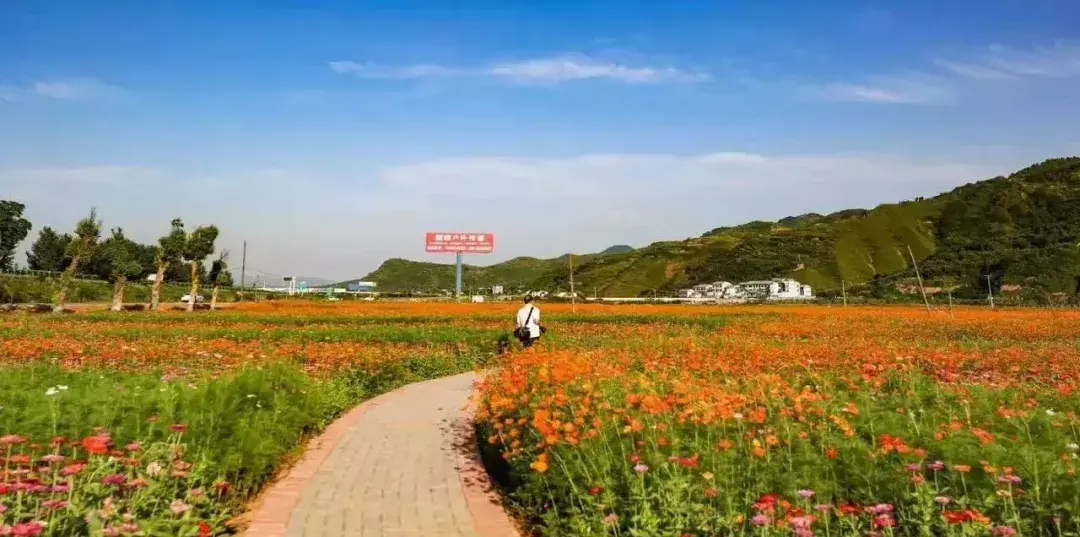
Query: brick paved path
pixel 399 465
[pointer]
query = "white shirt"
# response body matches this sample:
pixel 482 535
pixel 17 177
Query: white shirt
pixel 534 320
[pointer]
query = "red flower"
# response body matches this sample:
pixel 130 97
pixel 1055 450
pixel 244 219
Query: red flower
pixel 72 469
pixel 97 445
pixel 595 491
pixel 178 428
pixel 114 479
pixel 850 509
pixel 204 529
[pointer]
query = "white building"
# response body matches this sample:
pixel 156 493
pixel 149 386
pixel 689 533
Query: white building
pixel 777 289
pixel 689 293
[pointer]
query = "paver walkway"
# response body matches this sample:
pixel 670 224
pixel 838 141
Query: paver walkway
pixel 398 465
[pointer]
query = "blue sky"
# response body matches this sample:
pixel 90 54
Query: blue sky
pixel 332 137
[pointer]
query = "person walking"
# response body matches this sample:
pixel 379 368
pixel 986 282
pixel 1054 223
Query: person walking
pixel 528 329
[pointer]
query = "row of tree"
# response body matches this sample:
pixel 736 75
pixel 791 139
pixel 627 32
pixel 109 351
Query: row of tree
pixel 180 256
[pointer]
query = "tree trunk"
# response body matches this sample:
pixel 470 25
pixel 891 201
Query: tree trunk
pixel 118 294
pixel 65 280
pixel 155 290
pixel 213 297
pixel 194 285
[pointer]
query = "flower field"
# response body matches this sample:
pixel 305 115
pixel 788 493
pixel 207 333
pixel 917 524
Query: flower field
pixel 798 421
pixel 628 420
pixel 169 424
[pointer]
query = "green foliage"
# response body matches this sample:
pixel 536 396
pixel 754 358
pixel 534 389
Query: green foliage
pixel 121 258
pixel 49 251
pixel 219 270
pixel 172 245
pixel 87 234
pixel 13 229
pixel 200 243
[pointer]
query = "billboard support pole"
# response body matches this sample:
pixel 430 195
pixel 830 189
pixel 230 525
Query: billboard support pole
pixel 457 281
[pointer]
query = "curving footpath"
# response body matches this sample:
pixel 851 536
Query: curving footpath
pixel 403 464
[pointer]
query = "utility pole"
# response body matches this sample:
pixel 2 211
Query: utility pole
pixel 243 270
pixel 989 290
pixel 919 275
pixel 457 280
pixel 573 296
pixel 843 290
pixel 951 316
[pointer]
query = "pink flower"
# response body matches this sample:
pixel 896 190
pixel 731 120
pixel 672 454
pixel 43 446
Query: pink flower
pixel 884 521
pixel 641 468
pixel 179 507
pixel 914 467
pixel 611 519
pixel 1010 479
pixel 129 527
pixel 806 493
pixel 28 529
pixel 12 439
pixel 1003 531
pixel 823 507
pixel 54 504
pixel 942 500
pixel 134 446
pixel 53 458
pixel 937 466
pixel 760 520
pixel 3 508
pixel 801 522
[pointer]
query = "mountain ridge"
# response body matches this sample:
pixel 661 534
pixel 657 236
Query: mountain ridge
pixel 1022 229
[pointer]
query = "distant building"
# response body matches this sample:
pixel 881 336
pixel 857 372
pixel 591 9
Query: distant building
pixel 361 287
pixel 497 290
pixel 774 289
pixel 777 289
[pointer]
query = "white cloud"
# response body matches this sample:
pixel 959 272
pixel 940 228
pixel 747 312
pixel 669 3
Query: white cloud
pixel 79 89
pixel 371 70
pixel 904 88
pixel 998 62
pixel 579 67
pixel 553 70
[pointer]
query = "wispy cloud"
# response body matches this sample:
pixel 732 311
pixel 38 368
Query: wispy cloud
pixel 78 89
pixel 998 62
pixel 551 70
pixel 906 88
pixel 579 67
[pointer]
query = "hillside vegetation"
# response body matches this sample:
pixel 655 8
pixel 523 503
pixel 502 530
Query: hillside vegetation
pixel 1021 230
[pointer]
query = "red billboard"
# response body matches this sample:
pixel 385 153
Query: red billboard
pixel 465 243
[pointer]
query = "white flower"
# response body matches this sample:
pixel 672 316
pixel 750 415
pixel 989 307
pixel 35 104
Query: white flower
pixel 62 387
pixel 51 391
pixel 1072 446
pixel 250 395
pixel 738 415
pixel 1050 412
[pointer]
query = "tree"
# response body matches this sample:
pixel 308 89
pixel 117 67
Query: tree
pixel 199 246
pixel 171 251
pixel 49 251
pixel 13 229
pixel 122 264
pixel 219 275
pixel 82 246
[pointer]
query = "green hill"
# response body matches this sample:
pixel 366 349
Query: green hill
pixel 1018 230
